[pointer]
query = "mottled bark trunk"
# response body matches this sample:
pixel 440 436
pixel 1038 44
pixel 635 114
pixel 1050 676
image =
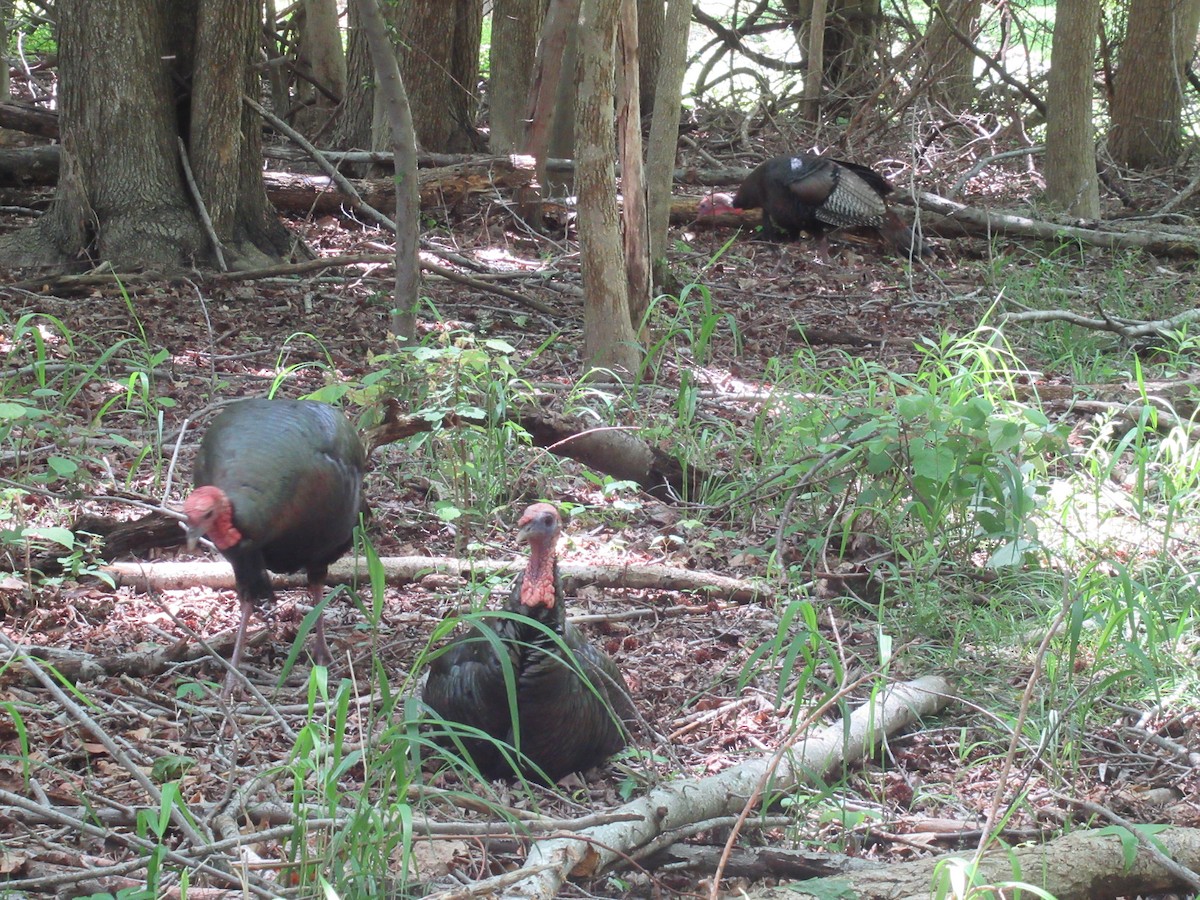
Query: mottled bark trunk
pixel 515 28
pixel 138 76
pixel 1071 182
pixel 849 40
pixel 120 195
pixel 352 122
pixel 322 57
pixel 439 62
pixel 951 64
pixel 393 98
pixel 1147 104
pixel 609 341
pixel 651 16
pixel 664 132
pixel 6 10
pixel 634 231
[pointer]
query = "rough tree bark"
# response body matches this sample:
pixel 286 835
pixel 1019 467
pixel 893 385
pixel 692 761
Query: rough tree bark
pixel 439 61
pixel 634 231
pixel 1148 93
pixel 322 57
pixel 394 100
pixel 608 337
pixel 515 28
pixel 1071 181
pixel 664 132
pixel 549 123
pixel 6 9
pixel 138 76
pixel 850 38
pixel 652 36
pixel 951 64
pixel 352 121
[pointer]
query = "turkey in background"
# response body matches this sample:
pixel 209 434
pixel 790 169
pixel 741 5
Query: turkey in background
pixel 817 194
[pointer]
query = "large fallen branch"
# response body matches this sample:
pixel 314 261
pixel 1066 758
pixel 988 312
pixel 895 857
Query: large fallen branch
pixel 165 576
pixel 1085 865
pixel 675 805
pixel 973 220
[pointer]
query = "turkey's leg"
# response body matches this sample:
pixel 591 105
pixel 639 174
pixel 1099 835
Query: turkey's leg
pixel 239 644
pixel 320 649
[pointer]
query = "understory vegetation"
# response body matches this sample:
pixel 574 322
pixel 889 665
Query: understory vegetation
pixel 935 517
pixel 973 466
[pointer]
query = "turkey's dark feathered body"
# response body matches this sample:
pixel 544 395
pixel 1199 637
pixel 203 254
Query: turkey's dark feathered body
pixel 291 473
pixel 813 193
pixel 292 470
pixel 563 723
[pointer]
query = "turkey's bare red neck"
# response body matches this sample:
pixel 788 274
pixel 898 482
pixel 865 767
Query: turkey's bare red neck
pixel 540 527
pixel 537 587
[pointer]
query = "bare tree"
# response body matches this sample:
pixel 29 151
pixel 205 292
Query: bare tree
pixel 439 60
pixel 394 101
pixel 1071 182
pixel 138 78
pixel 651 19
pixel 1149 86
pixel 515 28
pixel 664 130
pixel 608 336
pixel 323 60
pixel 950 63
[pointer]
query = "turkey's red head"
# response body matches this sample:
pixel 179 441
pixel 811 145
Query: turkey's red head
pixel 539 526
pixel 714 204
pixel 209 512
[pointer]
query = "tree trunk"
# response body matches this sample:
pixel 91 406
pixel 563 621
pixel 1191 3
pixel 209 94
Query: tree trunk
pixel 550 121
pixel 651 18
pixel 664 133
pixel 850 37
pixel 136 77
pixel 6 10
pixel 951 65
pixel 1148 95
pixel 352 121
pixel 226 135
pixel 815 68
pixel 1071 182
pixel 607 334
pixel 515 28
pixel 392 96
pixel 634 232
pixel 322 57
pixel 439 62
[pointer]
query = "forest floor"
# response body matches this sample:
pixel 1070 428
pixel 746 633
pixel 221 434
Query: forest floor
pixel 930 790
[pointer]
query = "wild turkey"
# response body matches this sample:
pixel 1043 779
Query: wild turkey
pixel 816 194
pixel 564 724
pixel 278 486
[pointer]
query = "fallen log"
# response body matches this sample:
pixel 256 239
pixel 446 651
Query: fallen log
pixel 398 570
pixel 1085 865
pixel 1179 242
pixel 679 803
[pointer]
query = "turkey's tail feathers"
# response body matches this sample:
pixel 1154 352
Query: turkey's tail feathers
pixel 902 237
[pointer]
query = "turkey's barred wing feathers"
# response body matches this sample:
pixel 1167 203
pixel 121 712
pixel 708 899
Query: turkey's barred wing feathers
pixel 852 202
pixel 877 182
